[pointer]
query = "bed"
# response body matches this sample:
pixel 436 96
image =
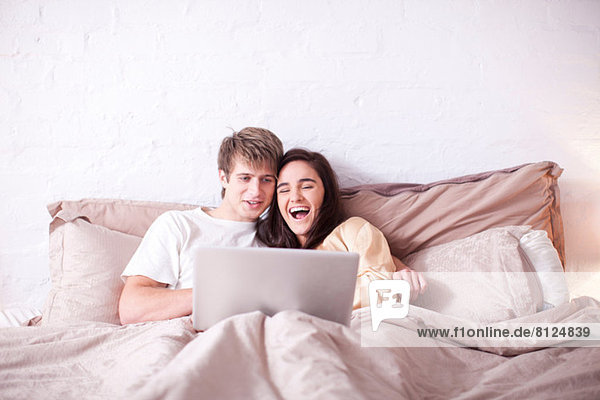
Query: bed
pixel 463 226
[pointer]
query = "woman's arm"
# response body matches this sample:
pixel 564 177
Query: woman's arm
pixel 375 253
pixel 415 279
pixel 376 260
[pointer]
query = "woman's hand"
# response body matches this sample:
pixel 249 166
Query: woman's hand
pixel 414 278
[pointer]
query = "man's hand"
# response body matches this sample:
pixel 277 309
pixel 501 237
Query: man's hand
pixel 414 278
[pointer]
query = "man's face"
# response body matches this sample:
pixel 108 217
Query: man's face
pixel 248 191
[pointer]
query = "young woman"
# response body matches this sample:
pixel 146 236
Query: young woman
pixel 306 213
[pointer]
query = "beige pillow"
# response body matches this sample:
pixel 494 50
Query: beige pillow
pixel 413 217
pixel 86 262
pixel 483 278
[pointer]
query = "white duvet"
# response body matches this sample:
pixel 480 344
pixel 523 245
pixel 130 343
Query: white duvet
pixel 288 356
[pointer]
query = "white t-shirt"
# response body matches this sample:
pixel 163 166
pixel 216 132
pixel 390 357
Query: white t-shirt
pixel 166 254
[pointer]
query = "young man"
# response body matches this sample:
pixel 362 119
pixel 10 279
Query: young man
pixel 158 278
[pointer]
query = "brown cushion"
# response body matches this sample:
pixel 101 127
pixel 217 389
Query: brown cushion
pixel 414 216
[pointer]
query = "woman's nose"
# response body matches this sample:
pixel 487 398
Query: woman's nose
pixel 297 195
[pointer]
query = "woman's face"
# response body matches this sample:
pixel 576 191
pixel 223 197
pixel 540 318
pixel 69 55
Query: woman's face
pixel 300 194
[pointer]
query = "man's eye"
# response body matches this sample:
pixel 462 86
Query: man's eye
pixel 268 180
pixel 245 178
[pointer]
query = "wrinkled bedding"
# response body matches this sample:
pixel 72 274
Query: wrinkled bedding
pixel 290 355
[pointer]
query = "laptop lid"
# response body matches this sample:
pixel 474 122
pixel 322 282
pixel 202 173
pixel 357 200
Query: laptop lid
pixel 234 280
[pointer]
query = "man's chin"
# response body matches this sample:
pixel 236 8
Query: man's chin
pixel 252 216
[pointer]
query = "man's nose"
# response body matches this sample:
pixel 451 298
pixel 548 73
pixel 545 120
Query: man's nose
pixel 254 186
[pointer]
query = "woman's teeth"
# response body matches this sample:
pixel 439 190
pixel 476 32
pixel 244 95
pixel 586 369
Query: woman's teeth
pixel 299 212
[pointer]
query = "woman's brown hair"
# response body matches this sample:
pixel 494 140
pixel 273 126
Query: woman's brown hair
pixel 273 230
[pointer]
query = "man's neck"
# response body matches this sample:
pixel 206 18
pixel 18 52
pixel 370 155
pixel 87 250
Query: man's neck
pixel 222 212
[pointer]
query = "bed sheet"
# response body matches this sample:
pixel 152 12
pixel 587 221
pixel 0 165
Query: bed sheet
pixel 290 355
pixel 19 316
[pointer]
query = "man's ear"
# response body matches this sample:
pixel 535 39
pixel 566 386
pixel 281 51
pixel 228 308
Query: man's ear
pixel 223 179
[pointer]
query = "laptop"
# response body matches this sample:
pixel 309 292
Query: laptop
pixel 234 280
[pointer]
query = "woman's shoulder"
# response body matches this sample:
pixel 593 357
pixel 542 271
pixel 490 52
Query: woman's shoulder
pixel 355 222
pixel 343 236
pixel 353 225
pixel 356 234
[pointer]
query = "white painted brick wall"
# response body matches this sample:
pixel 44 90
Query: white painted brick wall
pixel 130 99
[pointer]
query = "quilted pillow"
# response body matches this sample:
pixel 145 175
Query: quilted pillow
pixel 483 278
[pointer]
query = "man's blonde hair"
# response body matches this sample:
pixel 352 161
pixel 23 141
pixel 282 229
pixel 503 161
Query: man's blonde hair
pixel 255 146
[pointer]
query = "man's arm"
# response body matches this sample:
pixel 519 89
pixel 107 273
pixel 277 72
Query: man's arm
pixel 144 299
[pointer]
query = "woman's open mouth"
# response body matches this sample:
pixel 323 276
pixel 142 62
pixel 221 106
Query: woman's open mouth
pixel 299 212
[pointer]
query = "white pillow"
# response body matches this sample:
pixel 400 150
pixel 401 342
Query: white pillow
pixel 543 256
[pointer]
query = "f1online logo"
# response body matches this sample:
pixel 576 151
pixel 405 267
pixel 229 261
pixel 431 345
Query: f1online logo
pixel 388 299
